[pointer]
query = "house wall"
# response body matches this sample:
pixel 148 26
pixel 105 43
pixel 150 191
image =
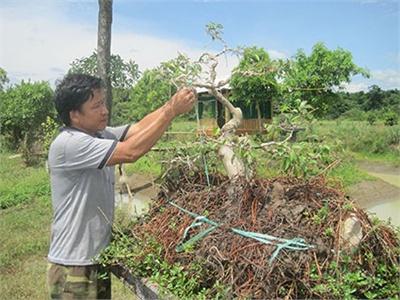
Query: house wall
pixel 213 115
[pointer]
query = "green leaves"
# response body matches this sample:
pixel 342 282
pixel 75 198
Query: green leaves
pixel 303 158
pixel 312 78
pixel 341 282
pixel 215 31
pixel 122 74
pixel 254 80
pixel 145 258
pixel 3 78
pixel 180 71
pixel 24 107
pixel 150 92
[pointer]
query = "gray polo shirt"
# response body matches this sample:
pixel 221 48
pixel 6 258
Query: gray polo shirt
pixel 82 191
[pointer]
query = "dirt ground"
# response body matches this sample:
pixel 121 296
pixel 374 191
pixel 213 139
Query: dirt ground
pixel 379 168
pixel 370 192
pixel 139 183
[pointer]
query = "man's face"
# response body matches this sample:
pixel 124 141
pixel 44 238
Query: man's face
pixel 93 115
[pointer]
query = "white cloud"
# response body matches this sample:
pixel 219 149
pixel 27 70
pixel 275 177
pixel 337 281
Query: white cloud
pixel 274 54
pixel 385 79
pixel 354 87
pixel 38 42
pixel 388 79
pixel 42 46
pixel 149 51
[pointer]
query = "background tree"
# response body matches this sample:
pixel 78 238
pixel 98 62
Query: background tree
pixel 254 79
pixel 343 103
pixel 123 74
pixel 313 78
pixel 150 92
pixel 154 88
pixel 103 48
pixel 3 79
pixel 24 107
pixel 374 99
pixel 362 105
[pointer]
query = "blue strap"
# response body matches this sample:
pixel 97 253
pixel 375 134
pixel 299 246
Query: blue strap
pixel 292 244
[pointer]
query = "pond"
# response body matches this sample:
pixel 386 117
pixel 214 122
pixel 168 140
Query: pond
pixel 135 206
pixel 387 209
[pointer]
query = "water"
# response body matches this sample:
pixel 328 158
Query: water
pixel 387 210
pixel 135 206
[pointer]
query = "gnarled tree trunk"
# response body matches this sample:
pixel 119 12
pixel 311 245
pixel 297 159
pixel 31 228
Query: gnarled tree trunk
pixel 233 164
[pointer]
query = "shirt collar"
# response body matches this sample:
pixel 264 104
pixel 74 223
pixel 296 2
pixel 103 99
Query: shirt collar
pixel 98 134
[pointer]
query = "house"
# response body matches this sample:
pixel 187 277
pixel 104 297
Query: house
pixel 213 115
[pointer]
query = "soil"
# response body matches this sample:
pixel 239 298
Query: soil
pixel 371 192
pixel 375 167
pixel 139 183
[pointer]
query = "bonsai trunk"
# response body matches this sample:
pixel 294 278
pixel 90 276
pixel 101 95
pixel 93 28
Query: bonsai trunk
pixel 233 164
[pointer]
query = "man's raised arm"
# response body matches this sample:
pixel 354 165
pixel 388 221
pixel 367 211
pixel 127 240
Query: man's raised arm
pixel 144 134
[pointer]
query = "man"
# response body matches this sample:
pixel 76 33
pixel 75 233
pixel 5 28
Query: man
pixel 81 161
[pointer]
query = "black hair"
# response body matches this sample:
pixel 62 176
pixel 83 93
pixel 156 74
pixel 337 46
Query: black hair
pixel 72 91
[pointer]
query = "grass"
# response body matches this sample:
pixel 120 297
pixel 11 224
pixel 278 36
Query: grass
pixel 386 158
pixel 148 164
pixel 18 184
pixel 181 125
pixel 347 174
pixel 24 229
pixel 361 137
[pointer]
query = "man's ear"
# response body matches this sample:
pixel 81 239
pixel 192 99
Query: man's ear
pixel 73 115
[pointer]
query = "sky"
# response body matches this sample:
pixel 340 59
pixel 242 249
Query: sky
pixel 40 38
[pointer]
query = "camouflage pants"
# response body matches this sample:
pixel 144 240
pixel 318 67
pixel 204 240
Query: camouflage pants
pixel 78 282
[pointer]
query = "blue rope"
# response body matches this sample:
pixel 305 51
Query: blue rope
pixel 292 244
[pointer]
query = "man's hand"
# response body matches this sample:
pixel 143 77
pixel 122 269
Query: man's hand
pixel 183 101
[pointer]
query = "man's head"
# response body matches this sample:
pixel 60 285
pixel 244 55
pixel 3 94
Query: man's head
pixel 80 102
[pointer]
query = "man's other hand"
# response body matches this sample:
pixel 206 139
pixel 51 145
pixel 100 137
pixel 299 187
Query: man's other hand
pixel 183 101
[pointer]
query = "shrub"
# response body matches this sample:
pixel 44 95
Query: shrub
pixel 354 114
pixel 371 119
pixel 391 118
pixel 48 131
pixel 361 137
pixel 24 107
